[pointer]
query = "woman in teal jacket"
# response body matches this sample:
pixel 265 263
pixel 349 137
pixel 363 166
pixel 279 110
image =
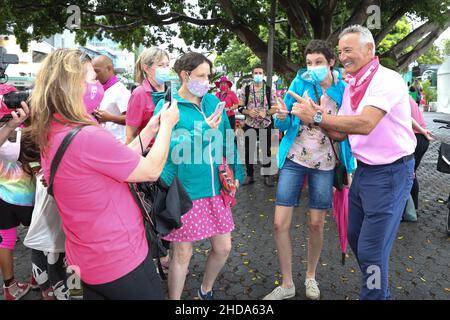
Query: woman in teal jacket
pixel 199 141
pixel 306 151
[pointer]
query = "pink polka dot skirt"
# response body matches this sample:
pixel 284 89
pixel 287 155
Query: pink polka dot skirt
pixel 208 217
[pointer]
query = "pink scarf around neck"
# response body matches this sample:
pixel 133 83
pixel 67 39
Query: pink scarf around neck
pixel 360 81
pixel 112 81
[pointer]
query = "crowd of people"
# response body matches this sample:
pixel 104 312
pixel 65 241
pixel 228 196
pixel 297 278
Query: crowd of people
pixel 81 212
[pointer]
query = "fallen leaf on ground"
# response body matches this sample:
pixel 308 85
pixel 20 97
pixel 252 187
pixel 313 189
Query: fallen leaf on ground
pixel 409 270
pixel 400 237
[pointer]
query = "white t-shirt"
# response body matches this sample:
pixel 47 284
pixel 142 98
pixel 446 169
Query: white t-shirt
pixel 115 102
pixel 45 232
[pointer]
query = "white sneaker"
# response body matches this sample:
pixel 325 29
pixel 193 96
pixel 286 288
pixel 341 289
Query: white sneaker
pixel 280 293
pixel 312 289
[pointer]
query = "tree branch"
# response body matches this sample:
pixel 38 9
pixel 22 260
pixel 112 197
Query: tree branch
pixel 397 15
pixel 425 44
pixel 410 39
pixel 359 16
pixel 296 16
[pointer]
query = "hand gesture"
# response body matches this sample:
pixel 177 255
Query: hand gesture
pixel 282 110
pixel 304 108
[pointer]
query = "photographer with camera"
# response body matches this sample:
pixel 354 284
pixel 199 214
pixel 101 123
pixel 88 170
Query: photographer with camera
pixel 17 117
pixel 17 187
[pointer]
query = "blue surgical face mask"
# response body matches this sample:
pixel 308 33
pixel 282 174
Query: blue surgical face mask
pixel 258 78
pixel 319 73
pixel 162 75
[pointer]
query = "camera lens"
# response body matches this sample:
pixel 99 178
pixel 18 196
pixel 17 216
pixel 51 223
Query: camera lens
pixel 13 99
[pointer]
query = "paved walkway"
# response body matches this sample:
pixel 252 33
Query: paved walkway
pixel 420 260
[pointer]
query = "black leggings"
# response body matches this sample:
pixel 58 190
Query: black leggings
pixel 421 148
pixel 143 283
pixel 232 120
pixel 49 271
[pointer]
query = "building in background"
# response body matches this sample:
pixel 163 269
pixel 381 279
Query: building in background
pixel 22 74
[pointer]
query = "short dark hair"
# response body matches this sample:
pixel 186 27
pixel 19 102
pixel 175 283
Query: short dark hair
pixel 320 46
pixel 257 66
pixel 191 60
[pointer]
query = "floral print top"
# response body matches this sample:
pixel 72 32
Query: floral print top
pixel 312 148
pixel 257 99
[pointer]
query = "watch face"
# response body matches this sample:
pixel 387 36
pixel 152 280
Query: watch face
pixel 317 118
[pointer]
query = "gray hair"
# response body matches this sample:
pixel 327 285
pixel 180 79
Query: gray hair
pixel 364 34
pixel 147 58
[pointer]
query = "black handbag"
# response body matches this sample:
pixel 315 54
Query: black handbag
pixel 162 207
pixel 443 163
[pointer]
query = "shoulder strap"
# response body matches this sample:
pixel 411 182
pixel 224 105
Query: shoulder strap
pixel 247 94
pixel 331 142
pixel 59 155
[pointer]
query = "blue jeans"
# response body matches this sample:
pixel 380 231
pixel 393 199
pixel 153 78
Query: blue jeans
pixel 290 183
pixel 377 199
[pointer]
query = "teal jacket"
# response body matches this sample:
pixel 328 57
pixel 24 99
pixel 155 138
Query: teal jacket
pixel 196 150
pixel 301 84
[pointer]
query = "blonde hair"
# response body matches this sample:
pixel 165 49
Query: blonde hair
pixel 147 58
pixel 59 88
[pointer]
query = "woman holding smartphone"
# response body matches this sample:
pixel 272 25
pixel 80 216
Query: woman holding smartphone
pixel 209 218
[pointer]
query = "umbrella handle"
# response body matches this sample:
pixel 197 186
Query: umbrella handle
pixel 343 258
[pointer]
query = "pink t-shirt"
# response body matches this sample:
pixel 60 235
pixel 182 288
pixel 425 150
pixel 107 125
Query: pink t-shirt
pixel 393 137
pixel 416 114
pixel 104 230
pixel 140 106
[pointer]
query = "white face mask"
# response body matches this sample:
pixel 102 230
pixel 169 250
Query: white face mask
pixel 10 151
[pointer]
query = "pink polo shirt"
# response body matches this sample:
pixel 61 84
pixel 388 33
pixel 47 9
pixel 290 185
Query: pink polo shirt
pixel 140 106
pixel 104 230
pixel 393 136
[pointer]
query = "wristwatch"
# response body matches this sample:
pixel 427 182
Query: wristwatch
pixel 317 118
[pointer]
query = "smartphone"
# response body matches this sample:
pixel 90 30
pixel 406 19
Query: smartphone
pixel 168 94
pixel 219 108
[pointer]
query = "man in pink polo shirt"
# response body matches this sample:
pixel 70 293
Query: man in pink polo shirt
pixel 376 116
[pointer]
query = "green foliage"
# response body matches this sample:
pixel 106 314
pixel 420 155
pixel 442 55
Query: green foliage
pixel 237 58
pixel 429 91
pixel 388 63
pixel 446 47
pixel 141 22
pixel 432 56
pixel 401 29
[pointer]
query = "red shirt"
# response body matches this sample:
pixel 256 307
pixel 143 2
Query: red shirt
pixel 230 99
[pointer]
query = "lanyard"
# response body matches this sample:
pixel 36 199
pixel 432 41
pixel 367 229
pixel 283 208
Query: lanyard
pixel 256 100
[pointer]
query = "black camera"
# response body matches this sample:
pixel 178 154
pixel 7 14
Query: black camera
pixel 5 60
pixel 13 99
